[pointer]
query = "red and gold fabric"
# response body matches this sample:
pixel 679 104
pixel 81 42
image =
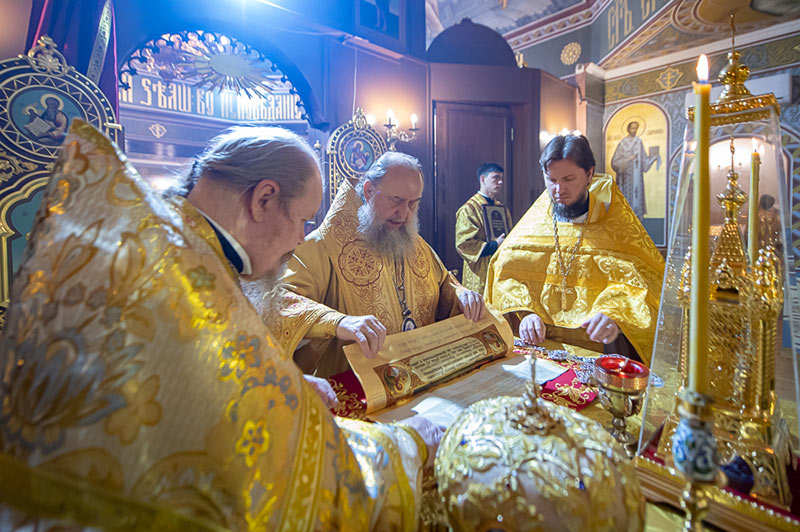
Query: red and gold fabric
pixel 335 273
pixel 141 391
pixel 617 269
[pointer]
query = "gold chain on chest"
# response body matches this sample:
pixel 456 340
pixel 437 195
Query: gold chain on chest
pixel 565 268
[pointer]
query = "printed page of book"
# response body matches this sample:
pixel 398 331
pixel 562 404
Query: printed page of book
pixel 443 404
pixel 413 361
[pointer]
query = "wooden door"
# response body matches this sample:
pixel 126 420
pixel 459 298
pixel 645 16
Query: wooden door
pixel 466 136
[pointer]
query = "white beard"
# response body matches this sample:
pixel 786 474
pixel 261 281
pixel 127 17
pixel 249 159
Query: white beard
pixel 266 293
pixel 397 243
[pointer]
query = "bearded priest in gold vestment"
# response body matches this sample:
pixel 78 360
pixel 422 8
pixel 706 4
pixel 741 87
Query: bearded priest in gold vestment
pixel 579 258
pixel 366 272
pixel 140 389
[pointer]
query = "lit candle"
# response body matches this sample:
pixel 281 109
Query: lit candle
pixel 752 227
pixel 389 117
pixel 414 121
pixel 698 310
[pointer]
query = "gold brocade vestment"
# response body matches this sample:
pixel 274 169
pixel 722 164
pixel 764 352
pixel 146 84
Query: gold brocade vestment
pixel 617 270
pixel 141 391
pixel 471 241
pixel 335 273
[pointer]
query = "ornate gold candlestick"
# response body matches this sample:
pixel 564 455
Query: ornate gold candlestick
pixel 621 383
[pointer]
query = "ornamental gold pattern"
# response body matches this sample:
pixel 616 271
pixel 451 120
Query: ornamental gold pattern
pixel 139 390
pixel 526 464
pixel 744 307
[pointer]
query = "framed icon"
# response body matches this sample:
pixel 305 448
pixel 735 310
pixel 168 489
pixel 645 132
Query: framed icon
pixel 495 221
pixel 352 148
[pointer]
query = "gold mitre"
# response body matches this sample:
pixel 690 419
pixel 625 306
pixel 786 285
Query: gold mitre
pixel 527 464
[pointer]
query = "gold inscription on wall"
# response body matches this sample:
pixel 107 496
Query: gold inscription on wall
pixel 648 8
pixel 620 22
pixel 153 93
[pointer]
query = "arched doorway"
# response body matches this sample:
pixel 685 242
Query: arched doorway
pixel 181 89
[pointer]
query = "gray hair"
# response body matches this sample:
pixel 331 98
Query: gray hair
pixel 382 165
pixel 243 156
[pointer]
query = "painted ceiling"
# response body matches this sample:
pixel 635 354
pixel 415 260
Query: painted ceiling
pixel 502 16
pixel 690 23
pixel 667 25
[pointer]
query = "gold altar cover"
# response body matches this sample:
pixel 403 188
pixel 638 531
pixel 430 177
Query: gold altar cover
pixel 617 271
pixel 471 239
pixel 141 391
pixel 335 269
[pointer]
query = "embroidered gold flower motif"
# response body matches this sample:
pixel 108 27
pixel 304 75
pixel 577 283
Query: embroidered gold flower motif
pixel 37 282
pixel 200 279
pixel 254 441
pixel 141 409
pixel 239 356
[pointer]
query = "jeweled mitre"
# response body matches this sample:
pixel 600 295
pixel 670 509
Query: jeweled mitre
pixel 527 465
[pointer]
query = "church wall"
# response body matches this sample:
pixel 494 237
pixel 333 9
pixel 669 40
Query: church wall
pixel 314 44
pixel 668 85
pixel 384 81
pixel 616 22
pixel 521 92
pixel 14 16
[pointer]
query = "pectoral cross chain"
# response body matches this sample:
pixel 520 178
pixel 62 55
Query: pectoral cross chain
pixel 564 291
pixel 565 266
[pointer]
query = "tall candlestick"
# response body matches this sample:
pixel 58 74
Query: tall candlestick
pixel 752 226
pixel 698 310
pixel 389 118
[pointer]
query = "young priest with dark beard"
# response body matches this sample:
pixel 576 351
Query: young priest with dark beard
pixel 579 258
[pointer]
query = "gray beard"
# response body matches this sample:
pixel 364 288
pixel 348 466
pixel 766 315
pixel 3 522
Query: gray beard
pixel 266 294
pixel 570 212
pixel 397 243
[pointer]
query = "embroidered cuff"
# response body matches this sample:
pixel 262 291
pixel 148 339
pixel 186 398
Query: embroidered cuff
pixel 325 327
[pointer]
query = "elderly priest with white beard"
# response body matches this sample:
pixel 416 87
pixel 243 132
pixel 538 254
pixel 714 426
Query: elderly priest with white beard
pixel 366 272
pixel 139 388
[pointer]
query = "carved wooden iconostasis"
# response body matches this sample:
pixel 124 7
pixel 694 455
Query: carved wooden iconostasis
pixel 39 95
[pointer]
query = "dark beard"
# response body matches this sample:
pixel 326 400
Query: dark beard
pixel 570 212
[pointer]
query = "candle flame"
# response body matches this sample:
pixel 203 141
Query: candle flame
pixel 414 120
pixel 755 145
pixel 702 69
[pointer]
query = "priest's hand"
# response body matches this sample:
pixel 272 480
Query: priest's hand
pixel 430 433
pixel 366 330
pixel 323 389
pixel 601 328
pixel 472 305
pixel 531 329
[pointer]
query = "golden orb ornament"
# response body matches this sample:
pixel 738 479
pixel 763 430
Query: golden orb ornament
pixel 526 464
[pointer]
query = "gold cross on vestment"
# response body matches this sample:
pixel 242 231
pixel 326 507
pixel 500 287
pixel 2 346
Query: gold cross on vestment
pixel 564 291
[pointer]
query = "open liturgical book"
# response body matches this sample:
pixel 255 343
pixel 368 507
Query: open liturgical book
pixel 441 369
